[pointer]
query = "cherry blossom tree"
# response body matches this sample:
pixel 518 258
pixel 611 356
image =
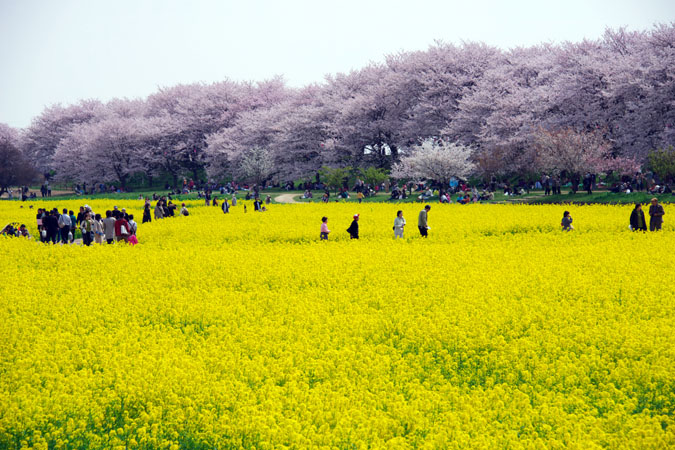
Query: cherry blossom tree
pixel 257 165
pixel 43 136
pixel 573 153
pixel 15 169
pixel 436 159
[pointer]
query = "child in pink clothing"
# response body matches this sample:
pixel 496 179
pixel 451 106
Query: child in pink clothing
pixel 324 228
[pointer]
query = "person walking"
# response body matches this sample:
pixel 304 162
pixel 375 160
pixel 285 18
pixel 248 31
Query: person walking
pixel 98 229
pixel 637 219
pixel 65 225
pixel 656 213
pixel 353 229
pixel 566 222
pixel 109 227
pixel 399 223
pixel 422 221
pixel 324 229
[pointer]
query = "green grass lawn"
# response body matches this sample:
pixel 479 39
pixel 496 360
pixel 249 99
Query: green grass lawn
pixel 534 197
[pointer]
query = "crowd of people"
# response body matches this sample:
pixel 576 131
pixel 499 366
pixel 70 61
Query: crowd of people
pixel 61 227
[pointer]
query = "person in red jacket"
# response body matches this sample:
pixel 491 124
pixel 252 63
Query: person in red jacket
pixel 122 229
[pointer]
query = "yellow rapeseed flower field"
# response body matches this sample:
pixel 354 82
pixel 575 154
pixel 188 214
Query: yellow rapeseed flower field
pixel 246 331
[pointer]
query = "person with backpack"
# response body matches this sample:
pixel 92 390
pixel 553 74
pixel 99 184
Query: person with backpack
pixel 133 226
pixel 64 226
pixel 122 229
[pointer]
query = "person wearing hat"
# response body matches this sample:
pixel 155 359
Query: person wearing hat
pixel 353 229
pixel 422 221
pixel 656 213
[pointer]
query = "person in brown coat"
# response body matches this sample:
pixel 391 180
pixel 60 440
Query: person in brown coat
pixel 656 215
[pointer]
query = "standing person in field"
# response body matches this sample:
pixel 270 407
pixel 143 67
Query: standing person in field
pixel 422 221
pixel 87 227
pixel 324 229
pixel 65 225
pixel 268 200
pixel 637 219
pixel 109 227
pixel 146 213
pixel 225 206
pixel 353 229
pixel 234 199
pixel 98 229
pixel 159 210
pixel 656 213
pixel 399 224
pixel 122 229
pixel 256 204
pixel 133 226
pixel 359 196
pixel 73 221
pixel 566 222
pixel 51 224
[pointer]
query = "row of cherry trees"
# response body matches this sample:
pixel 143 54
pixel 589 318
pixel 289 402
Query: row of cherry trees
pixel 615 94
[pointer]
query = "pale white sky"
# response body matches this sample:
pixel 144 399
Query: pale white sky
pixel 67 50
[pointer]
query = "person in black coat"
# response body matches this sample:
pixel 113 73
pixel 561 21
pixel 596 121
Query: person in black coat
pixel 353 229
pixel 51 224
pixel 637 219
pixel 146 213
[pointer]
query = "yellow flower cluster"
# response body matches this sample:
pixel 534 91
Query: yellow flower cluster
pixel 247 331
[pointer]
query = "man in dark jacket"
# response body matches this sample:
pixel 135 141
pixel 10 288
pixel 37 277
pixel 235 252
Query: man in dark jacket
pixel 637 219
pixel 51 223
pixel 656 215
pixel 353 229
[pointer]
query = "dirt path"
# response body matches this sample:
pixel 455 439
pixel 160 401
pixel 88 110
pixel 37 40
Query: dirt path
pixel 286 198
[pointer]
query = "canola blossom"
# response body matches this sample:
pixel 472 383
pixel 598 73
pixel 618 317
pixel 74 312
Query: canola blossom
pixel 246 331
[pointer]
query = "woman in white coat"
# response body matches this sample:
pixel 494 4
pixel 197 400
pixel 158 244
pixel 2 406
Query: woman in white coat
pixel 399 224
